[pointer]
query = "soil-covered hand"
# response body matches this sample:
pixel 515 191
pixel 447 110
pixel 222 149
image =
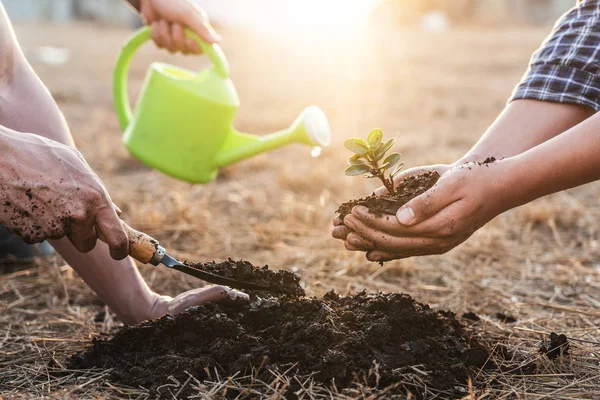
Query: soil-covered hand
pixel 341 231
pixel 464 199
pixel 168 305
pixel 48 191
pixel 168 19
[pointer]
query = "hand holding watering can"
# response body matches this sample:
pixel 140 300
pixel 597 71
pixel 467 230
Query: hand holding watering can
pixel 183 121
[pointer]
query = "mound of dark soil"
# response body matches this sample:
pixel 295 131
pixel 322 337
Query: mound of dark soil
pixel 406 190
pixel 287 282
pixel 333 338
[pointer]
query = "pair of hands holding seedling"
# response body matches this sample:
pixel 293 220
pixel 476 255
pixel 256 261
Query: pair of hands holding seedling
pixel 543 147
pixel 466 197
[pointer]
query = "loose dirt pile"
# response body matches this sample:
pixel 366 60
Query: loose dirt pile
pixel 285 281
pixel 406 190
pixel 380 340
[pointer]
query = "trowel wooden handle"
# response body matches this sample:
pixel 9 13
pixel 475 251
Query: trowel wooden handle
pixel 141 246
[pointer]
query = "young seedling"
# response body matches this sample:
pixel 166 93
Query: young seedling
pixel 369 159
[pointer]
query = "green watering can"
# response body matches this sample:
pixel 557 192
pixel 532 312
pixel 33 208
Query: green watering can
pixel 183 121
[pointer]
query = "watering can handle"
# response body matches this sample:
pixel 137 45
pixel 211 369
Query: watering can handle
pixel 122 105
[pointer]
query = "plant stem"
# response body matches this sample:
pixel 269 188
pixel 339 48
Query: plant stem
pixel 388 183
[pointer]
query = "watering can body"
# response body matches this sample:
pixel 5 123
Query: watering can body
pixel 182 124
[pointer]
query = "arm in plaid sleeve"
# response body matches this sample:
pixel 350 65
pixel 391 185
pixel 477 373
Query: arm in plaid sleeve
pixel 566 68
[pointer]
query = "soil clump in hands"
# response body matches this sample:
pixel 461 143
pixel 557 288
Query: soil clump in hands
pixel 406 190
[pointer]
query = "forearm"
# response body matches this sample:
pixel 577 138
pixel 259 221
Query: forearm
pixel 26 105
pixel 118 283
pixel 559 89
pixel 525 124
pixel 566 161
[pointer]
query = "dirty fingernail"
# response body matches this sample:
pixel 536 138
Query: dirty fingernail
pixel 374 258
pixel 406 216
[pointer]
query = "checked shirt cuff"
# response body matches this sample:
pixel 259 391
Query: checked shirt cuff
pixel 559 84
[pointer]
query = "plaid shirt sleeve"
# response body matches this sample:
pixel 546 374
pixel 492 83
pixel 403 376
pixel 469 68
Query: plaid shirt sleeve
pixel 566 67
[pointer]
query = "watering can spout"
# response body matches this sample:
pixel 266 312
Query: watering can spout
pixel 310 128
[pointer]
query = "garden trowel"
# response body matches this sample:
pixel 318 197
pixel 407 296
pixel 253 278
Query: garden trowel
pixel 147 250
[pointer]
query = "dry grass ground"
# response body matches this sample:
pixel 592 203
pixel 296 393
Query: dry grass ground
pixel 435 93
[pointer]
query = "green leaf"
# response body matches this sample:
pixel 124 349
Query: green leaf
pixel 383 148
pixel 397 169
pixel 361 142
pixel 357 146
pixel 375 137
pixel 392 160
pixel 356 160
pixel 388 145
pixel 354 170
pixel 376 153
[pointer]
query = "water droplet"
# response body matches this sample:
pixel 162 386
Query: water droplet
pixel 315 152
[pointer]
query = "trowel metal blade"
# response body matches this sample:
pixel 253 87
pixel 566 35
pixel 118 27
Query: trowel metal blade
pixel 212 278
pixel 170 262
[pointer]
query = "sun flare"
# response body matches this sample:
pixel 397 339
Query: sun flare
pixel 310 17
